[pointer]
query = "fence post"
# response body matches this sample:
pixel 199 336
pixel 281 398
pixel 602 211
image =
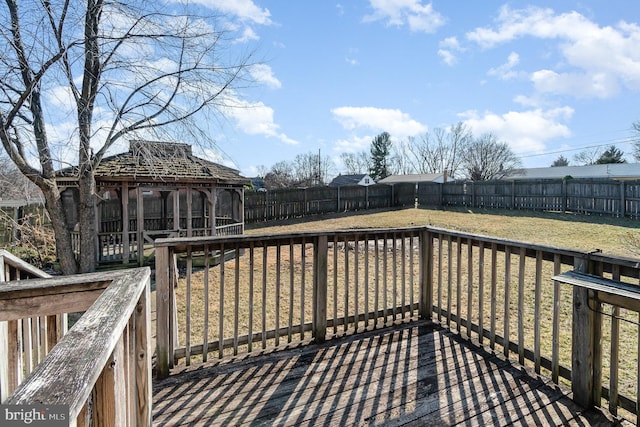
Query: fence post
pixel 320 262
pixel 426 274
pixel 473 194
pixel 366 197
pixel 622 200
pixel 583 341
pixel 564 195
pixel 163 314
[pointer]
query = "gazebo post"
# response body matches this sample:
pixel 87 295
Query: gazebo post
pixel 189 212
pixel 176 210
pixel 140 225
pixel 124 202
pixel 214 202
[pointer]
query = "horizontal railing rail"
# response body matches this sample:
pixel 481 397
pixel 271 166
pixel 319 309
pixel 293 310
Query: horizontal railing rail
pixel 240 293
pixel 101 369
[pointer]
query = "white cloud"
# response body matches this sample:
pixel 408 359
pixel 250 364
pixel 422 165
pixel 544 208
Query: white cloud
pixel 524 131
pixel 597 60
pixel 246 10
pixel 257 119
pixel 413 13
pixel 248 34
pixel 449 47
pixel 394 121
pixel 505 71
pixel 263 73
pixel 580 85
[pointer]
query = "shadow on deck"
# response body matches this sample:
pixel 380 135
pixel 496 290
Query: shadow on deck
pixel 410 374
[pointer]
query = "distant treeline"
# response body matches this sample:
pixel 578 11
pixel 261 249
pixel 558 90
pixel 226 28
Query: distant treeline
pixel 584 196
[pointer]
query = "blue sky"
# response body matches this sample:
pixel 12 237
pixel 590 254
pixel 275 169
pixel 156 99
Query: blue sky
pixel 548 78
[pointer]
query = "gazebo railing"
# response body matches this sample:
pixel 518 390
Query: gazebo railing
pixel 112 247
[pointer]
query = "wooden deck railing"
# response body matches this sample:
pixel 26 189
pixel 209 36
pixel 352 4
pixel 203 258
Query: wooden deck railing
pixel 499 293
pixel 503 295
pixel 29 337
pixel 101 369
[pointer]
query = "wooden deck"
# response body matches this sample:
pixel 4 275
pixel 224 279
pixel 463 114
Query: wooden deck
pixel 410 374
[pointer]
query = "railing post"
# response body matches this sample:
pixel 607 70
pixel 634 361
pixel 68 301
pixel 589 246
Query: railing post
pixel 4 361
pixel 583 341
pixel 110 393
pixel 426 274
pixel 143 393
pixel 163 313
pixel 320 289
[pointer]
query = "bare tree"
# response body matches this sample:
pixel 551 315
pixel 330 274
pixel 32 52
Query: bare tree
pixel 441 149
pixel 400 161
pixel 486 158
pixel 312 169
pixel 14 185
pixel 130 69
pixel 281 175
pixel 356 163
pixel 588 157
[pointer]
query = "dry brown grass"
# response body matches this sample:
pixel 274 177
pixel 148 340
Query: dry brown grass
pixel 581 232
pixel 560 230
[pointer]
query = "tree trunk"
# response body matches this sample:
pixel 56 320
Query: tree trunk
pixel 87 222
pixel 64 250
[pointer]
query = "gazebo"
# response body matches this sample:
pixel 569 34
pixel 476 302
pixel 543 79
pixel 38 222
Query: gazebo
pixel 157 189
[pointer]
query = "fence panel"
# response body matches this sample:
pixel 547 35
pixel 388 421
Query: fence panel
pixel 429 194
pixel 404 194
pixel 632 199
pixel 584 196
pixel 493 195
pixel 353 198
pixel 380 196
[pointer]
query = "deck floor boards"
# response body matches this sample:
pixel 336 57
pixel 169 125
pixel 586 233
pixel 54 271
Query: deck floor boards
pixel 412 374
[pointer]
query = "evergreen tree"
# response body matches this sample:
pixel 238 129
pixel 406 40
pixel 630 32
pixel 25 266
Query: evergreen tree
pixel 380 151
pixel 560 161
pixel 611 155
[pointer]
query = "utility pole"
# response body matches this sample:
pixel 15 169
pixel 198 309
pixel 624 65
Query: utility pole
pixel 318 174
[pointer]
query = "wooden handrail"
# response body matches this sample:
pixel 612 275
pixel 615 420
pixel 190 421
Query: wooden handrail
pixel 93 357
pixel 21 268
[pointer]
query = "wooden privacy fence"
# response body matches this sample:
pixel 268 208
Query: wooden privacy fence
pixel 583 196
pixel 101 368
pixel 506 295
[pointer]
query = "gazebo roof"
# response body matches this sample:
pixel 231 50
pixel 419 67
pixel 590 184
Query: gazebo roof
pixel 160 162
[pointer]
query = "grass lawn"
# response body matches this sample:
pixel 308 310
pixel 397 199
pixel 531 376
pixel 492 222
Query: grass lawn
pixel 614 236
